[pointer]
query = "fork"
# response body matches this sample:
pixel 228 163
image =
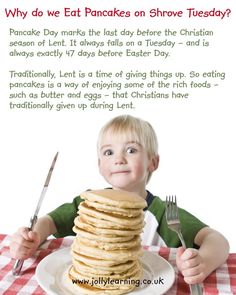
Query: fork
pixel 173 222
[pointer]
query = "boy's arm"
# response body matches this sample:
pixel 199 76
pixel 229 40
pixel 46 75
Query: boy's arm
pixel 214 248
pixel 196 265
pixel 24 243
pixel 45 227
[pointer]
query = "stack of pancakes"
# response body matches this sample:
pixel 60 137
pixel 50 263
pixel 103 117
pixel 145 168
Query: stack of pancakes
pixel 107 247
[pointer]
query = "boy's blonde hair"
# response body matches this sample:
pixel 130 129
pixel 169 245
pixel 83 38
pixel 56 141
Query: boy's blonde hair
pixel 134 129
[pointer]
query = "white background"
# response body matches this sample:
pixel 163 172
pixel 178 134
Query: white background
pixel 196 137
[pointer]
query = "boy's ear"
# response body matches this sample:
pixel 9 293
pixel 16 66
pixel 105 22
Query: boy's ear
pixel 99 166
pixel 154 163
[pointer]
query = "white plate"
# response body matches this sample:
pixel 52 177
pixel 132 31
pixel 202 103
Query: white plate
pixel 51 274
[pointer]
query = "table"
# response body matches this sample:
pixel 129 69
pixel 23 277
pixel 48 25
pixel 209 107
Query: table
pixel 222 281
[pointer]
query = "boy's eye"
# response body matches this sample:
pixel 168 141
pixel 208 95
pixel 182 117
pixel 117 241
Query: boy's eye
pixel 108 153
pixel 131 150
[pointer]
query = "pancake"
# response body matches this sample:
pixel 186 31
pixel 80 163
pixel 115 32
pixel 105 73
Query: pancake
pixel 117 198
pixel 87 289
pixel 103 238
pixel 112 209
pixel 107 246
pixel 111 246
pixel 115 218
pixel 106 231
pixel 102 270
pixel 106 223
pixel 114 255
pixel 109 282
pixel 97 262
pixel 127 273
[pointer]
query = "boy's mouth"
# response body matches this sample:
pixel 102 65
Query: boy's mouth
pixel 121 172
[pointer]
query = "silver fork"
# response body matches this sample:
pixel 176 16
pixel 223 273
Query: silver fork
pixel 173 222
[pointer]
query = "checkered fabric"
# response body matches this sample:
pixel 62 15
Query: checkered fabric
pixel 220 282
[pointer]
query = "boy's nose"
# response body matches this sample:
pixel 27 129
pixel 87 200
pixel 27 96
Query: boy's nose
pixel 120 159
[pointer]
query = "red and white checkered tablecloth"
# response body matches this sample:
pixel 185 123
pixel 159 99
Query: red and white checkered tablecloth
pixel 222 281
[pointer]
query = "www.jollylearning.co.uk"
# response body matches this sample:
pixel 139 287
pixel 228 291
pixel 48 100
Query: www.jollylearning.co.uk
pixel 108 281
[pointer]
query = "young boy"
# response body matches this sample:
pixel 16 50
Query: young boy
pixel 127 155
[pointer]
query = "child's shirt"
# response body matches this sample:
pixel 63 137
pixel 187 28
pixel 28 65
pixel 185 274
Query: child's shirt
pixel 156 231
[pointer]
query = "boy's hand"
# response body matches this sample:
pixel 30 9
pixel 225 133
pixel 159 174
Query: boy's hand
pixel 24 243
pixel 191 265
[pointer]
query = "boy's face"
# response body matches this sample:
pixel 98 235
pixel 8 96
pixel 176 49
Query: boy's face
pixel 125 164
